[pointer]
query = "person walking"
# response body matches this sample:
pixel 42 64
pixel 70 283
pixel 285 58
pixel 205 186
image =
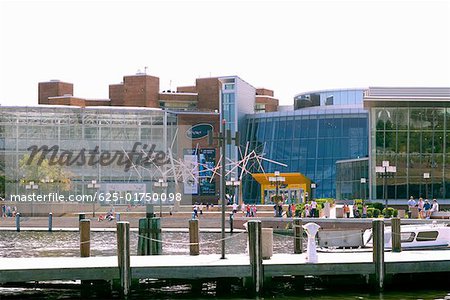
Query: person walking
pixel 313 208
pixel 347 210
pixel 420 205
pixel 364 211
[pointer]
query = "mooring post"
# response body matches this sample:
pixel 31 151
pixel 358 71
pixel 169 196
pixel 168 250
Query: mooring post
pixel 123 256
pixel 298 236
pixel 18 222
pixel 194 247
pixel 396 235
pixel 85 238
pixel 50 222
pixel 255 252
pixel 231 222
pixel 155 234
pixel 378 253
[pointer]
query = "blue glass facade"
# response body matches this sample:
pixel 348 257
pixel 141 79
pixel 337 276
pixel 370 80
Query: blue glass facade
pixel 326 126
pixel 309 141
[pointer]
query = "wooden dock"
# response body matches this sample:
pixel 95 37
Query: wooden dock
pixel 211 266
pixel 375 265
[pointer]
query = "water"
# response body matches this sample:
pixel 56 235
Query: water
pixel 42 244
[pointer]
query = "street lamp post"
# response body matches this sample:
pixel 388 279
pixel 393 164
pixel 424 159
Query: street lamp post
pixel 234 183
pixel 31 186
pixel 277 180
pixel 385 171
pixel 313 186
pixel 362 186
pixel 93 185
pixel 224 138
pixel 161 183
pixel 426 176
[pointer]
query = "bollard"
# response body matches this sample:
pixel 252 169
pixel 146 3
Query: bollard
pixel 81 216
pixel 298 236
pixel 378 253
pixel 231 222
pixel 255 252
pixel 50 222
pixel 396 235
pixel 123 256
pixel 311 250
pixel 18 222
pixel 85 238
pixel 194 247
pixel 267 242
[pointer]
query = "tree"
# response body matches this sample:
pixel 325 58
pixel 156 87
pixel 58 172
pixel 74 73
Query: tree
pixel 54 177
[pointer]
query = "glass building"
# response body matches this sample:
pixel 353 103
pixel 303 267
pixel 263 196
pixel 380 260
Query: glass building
pixel 410 128
pixel 310 140
pixel 352 179
pixel 68 136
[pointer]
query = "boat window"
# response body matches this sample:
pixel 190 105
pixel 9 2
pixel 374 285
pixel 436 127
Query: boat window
pixel 407 237
pixel 427 236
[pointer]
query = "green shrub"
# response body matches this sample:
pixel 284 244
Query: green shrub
pixel 377 205
pixel 376 212
pixel 390 212
pixel 370 212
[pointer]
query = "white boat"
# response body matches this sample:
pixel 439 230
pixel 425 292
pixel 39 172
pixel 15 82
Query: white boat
pixel 419 236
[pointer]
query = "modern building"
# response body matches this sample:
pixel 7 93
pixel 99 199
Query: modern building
pixel 325 127
pixel 331 140
pixel 136 115
pixel 410 129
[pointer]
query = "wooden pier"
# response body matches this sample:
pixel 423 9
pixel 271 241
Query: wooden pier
pixel 211 266
pixel 375 266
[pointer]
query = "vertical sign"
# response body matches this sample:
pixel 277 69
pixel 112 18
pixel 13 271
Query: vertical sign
pixel 191 180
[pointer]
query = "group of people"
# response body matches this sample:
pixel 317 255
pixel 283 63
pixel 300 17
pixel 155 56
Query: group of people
pixel 310 209
pixel 8 211
pixel 197 209
pixel 356 212
pixel 425 208
pixel 247 210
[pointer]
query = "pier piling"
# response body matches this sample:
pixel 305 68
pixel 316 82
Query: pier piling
pixel 149 236
pixel 123 256
pixel 50 222
pixel 194 247
pixel 378 253
pixel 85 238
pixel 255 252
pixel 395 235
pixel 298 236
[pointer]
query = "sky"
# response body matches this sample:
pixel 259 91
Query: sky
pixel 288 46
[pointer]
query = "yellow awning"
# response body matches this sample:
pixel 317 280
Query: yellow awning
pixel 297 180
pixel 290 178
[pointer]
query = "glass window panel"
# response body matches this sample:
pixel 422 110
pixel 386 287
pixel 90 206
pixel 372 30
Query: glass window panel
pixel 312 128
pixel 260 130
pixel 414 142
